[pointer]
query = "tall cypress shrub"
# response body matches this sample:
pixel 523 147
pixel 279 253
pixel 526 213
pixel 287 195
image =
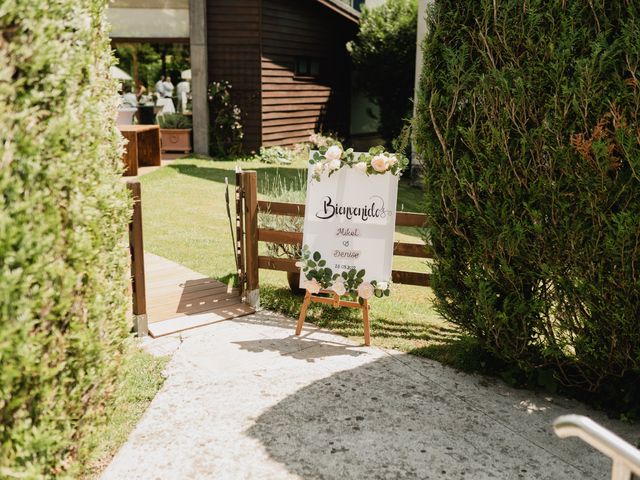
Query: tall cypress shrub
pixel 63 217
pixel 529 128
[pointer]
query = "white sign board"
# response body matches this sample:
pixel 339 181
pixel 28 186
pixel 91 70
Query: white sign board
pixel 350 220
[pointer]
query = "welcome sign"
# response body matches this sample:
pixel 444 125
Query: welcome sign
pixel 349 222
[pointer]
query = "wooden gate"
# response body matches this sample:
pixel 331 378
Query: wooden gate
pixel 248 207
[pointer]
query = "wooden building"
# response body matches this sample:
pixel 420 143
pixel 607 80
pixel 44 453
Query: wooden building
pixel 287 63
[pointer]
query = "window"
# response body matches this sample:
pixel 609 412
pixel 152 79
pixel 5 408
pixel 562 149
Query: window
pixel 307 67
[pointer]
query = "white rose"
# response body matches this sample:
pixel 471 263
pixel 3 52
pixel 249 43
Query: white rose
pixel 392 160
pixel 383 286
pixel 333 153
pixel 379 163
pixel 317 168
pixel 334 164
pixel 339 288
pixel 365 290
pixel 361 166
pixel 313 286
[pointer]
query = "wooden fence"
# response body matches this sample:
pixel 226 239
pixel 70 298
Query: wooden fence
pixel 248 207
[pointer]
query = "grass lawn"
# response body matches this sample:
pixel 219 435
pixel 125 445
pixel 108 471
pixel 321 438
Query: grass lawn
pixel 140 381
pixel 185 220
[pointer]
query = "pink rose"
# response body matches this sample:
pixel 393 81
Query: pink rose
pixel 365 290
pixel 313 286
pixel 339 288
pixel 361 166
pixel 333 153
pixel 379 163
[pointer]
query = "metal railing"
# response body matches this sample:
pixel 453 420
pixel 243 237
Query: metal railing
pixel 625 457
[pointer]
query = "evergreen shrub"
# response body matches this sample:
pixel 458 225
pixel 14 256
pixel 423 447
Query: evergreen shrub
pixel 63 224
pixel 384 56
pixel 529 126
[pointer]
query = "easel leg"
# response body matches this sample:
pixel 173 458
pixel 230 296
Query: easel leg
pixel 365 318
pixel 303 312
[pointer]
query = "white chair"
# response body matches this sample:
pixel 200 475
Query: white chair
pixel 167 105
pixel 183 101
pixel 125 116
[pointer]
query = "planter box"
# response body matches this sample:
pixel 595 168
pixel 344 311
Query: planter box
pixel 175 140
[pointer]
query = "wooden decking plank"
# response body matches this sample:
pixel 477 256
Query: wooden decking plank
pixel 181 285
pixel 200 306
pixel 161 300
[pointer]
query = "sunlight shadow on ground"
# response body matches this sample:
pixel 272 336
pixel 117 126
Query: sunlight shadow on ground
pixel 376 421
pixel 308 350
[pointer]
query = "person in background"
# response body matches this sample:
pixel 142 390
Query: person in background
pixel 129 99
pixel 183 89
pixel 159 87
pixel 168 87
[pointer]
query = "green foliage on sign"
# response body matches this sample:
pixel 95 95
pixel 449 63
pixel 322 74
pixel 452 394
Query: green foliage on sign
pixel 384 56
pixel 63 227
pixel 528 125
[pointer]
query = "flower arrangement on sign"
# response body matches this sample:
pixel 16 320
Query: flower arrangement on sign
pixel 349 283
pixel 374 162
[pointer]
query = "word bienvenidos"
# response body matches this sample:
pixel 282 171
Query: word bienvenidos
pixel 374 210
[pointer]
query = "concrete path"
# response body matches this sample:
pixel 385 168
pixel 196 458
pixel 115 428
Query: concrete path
pixel 244 399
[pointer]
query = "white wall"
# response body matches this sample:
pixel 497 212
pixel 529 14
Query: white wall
pixel 140 19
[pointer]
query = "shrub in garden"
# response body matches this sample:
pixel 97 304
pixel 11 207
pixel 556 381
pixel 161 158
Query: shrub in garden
pixel 63 224
pixel 384 56
pixel 319 140
pixel 278 155
pixel 226 129
pixel 175 121
pixel 284 189
pixel 529 127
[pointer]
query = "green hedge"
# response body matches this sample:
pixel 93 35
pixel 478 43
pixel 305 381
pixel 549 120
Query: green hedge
pixel 384 57
pixel 63 217
pixel 529 127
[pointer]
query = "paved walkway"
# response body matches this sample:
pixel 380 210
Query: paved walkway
pixel 244 399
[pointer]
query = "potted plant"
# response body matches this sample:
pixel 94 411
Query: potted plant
pixel 175 132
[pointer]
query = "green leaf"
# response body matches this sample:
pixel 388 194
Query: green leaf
pixel 316 256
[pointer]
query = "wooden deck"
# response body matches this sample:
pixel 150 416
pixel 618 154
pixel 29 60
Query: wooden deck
pixel 180 299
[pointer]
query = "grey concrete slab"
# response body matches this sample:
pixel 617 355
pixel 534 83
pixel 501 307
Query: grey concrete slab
pixel 247 399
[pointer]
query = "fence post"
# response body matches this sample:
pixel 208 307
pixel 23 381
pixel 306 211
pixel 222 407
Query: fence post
pixel 240 231
pixel 136 249
pixel 250 189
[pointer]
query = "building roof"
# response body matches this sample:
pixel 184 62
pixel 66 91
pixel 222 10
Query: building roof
pixel 343 9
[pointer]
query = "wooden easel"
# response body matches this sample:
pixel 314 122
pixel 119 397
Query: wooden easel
pixel 336 302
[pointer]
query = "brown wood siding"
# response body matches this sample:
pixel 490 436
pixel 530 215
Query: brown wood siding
pixel 293 107
pixel 233 42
